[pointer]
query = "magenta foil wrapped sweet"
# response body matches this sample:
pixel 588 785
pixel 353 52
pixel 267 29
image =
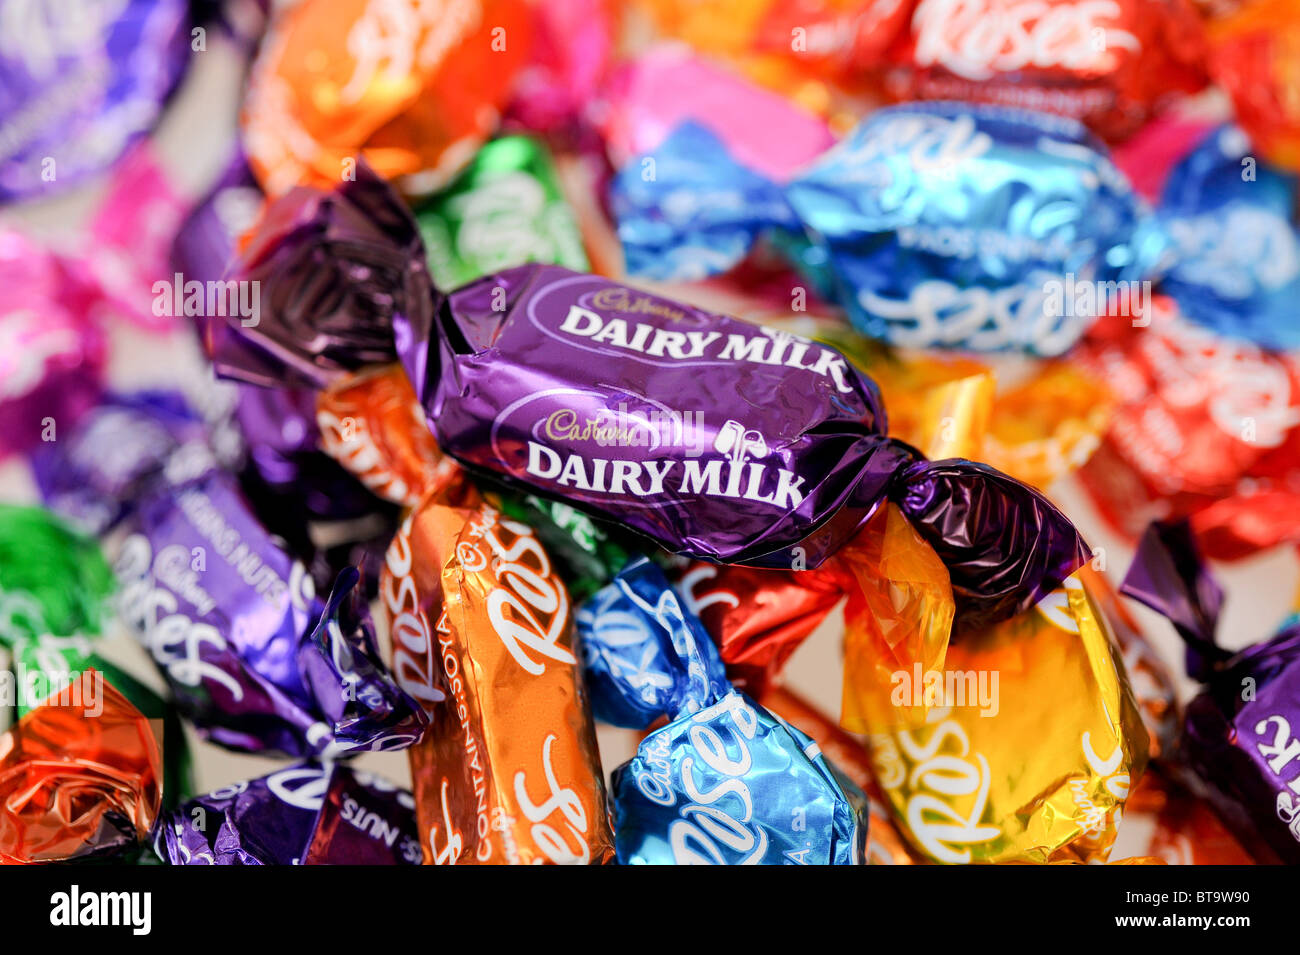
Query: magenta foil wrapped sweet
pixel 51 349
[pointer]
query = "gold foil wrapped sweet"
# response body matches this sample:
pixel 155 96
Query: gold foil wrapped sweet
pixel 1038 429
pixel 1029 747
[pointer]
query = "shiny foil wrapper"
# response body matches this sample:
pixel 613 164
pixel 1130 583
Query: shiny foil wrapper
pixel 1041 428
pixel 758 617
pixel 373 426
pixel 95 472
pixel 588 553
pixel 1236 247
pixel 290 480
pixel 308 814
pixel 1006 772
pixel 505 209
pixel 80 776
pixel 256 661
pixel 482 634
pixel 53 580
pixel 1110 65
pixel 333 268
pixel 1204 428
pixel 573 44
pixel 669 85
pixel 52 364
pixel 1238 732
pixel 725 782
pixel 526 393
pixel 848 755
pixel 79 83
pixel 907 223
pixel 1149 676
pixel 1254 50
pixel 760 767
pixel 413 89
pixel 45 666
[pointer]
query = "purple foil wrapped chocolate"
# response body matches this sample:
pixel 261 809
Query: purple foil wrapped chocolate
pixel 310 814
pixel 1242 732
pixel 336 269
pixel 79 81
pixel 253 657
pixel 295 482
pixel 715 438
pixel 94 472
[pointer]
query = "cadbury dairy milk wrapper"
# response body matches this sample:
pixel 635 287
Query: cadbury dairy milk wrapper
pixel 714 437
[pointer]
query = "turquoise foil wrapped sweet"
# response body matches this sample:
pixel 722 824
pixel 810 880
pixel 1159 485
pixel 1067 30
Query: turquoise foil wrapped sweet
pixel 931 224
pixel 725 782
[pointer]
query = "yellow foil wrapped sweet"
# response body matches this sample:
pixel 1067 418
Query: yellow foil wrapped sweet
pixel 1030 747
pixel 949 406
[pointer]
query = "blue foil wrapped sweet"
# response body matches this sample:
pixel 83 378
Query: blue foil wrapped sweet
pixel 931 224
pixel 1236 262
pixel 725 782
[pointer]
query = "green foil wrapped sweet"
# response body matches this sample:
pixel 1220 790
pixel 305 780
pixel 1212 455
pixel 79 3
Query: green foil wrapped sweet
pixel 588 552
pixel 52 579
pixel 505 209
pixel 53 586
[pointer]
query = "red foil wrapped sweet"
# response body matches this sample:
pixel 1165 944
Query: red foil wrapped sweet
pixel 79 776
pixel 1255 56
pixel 1205 428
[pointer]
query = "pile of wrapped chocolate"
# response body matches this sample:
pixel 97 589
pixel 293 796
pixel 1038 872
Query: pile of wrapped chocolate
pixel 649 431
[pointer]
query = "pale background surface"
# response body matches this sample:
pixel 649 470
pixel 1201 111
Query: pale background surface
pixel 193 142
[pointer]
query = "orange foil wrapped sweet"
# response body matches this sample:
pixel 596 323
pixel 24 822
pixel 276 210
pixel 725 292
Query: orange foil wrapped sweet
pixel 482 634
pixel 1255 56
pixel 414 86
pixel 372 424
pixel 1181 829
pixel 79 773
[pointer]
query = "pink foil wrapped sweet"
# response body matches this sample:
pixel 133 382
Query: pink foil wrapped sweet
pixel 670 85
pixel 51 349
